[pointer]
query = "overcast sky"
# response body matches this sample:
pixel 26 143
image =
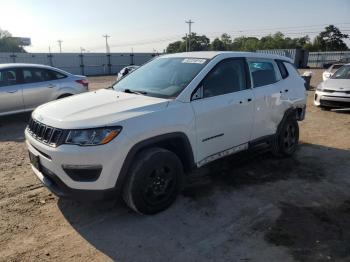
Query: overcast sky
pixel 146 25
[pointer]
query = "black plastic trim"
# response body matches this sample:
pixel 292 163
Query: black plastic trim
pixel 60 189
pixel 186 157
pixel 83 174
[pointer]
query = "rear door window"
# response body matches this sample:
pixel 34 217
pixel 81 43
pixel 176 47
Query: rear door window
pixel 34 75
pixel 263 72
pixel 8 77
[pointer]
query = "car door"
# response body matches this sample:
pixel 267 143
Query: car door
pixel 223 108
pixel 268 93
pixel 11 99
pixel 37 87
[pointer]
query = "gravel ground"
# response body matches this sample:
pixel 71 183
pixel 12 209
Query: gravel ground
pixel 249 207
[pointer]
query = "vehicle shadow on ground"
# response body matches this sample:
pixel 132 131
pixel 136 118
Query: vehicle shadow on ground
pixel 12 127
pixel 195 226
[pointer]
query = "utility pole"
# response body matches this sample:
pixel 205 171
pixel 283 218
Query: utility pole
pixel 189 22
pixel 60 45
pixel 107 46
pixel 82 49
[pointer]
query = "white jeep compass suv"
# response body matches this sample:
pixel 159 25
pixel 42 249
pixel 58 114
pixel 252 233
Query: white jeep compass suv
pixel 142 136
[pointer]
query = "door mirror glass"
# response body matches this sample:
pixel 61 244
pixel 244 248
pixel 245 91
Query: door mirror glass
pixel 198 94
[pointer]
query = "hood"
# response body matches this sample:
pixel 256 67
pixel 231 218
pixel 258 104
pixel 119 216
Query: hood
pixel 99 108
pixel 337 84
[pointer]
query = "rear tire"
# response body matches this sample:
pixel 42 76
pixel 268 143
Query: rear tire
pixel 154 181
pixel 286 140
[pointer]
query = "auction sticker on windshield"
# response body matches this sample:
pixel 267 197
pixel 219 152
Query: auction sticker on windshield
pixel 194 61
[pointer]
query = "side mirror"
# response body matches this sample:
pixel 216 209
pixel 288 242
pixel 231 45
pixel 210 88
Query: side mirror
pixel 198 94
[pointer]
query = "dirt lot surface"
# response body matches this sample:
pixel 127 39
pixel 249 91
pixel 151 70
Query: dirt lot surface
pixel 251 207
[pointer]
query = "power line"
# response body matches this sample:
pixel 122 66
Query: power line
pixel 189 22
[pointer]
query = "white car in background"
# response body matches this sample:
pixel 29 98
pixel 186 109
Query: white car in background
pixel 330 71
pixel 335 91
pixel 23 87
pixel 125 71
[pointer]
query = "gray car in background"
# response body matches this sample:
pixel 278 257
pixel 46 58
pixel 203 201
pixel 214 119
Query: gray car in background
pixel 23 87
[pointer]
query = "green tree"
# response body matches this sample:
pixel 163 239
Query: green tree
pixel 9 44
pixel 331 39
pixel 198 42
pixel 245 44
pixel 174 47
pixel 217 45
pixel 224 43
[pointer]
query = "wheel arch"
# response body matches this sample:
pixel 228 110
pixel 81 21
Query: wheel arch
pixel 64 95
pixel 292 111
pixel 176 142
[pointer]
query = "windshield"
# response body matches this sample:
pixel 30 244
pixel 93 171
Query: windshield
pixel 162 77
pixel 342 73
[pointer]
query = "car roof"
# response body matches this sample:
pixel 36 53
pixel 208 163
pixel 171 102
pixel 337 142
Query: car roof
pixel 212 54
pixel 16 65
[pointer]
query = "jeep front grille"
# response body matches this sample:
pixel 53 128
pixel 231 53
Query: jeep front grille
pixel 44 133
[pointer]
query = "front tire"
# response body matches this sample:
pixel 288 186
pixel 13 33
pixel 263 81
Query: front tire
pixel 154 181
pixel 286 140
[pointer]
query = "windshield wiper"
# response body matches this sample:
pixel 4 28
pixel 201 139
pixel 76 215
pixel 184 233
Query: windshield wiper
pixel 135 92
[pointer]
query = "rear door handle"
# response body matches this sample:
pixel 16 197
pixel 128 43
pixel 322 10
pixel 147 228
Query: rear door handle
pixel 51 86
pixel 286 90
pixel 249 99
pixel 12 91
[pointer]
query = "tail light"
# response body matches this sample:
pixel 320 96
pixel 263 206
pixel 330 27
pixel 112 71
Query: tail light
pixel 83 82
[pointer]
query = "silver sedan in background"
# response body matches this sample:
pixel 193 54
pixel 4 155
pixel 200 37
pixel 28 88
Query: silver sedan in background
pixel 23 87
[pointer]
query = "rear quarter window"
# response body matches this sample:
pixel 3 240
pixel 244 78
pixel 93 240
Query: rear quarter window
pixel 54 75
pixel 282 68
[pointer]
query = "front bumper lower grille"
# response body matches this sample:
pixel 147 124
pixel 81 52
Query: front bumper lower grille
pixel 334 104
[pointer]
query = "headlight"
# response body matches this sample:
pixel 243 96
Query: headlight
pixel 92 137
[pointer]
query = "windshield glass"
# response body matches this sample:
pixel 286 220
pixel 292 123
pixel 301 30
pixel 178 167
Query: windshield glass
pixel 342 73
pixel 162 77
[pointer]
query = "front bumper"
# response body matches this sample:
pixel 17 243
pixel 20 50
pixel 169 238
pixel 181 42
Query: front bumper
pixel 53 161
pixel 333 100
pixel 60 189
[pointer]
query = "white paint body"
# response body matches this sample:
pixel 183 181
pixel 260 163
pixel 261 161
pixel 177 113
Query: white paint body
pixel 144 117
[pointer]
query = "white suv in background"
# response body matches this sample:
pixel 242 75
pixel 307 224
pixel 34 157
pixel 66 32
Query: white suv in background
pixel 178 112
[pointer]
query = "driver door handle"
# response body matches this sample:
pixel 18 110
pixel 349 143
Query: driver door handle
pixel 51 86
pixel 12 91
